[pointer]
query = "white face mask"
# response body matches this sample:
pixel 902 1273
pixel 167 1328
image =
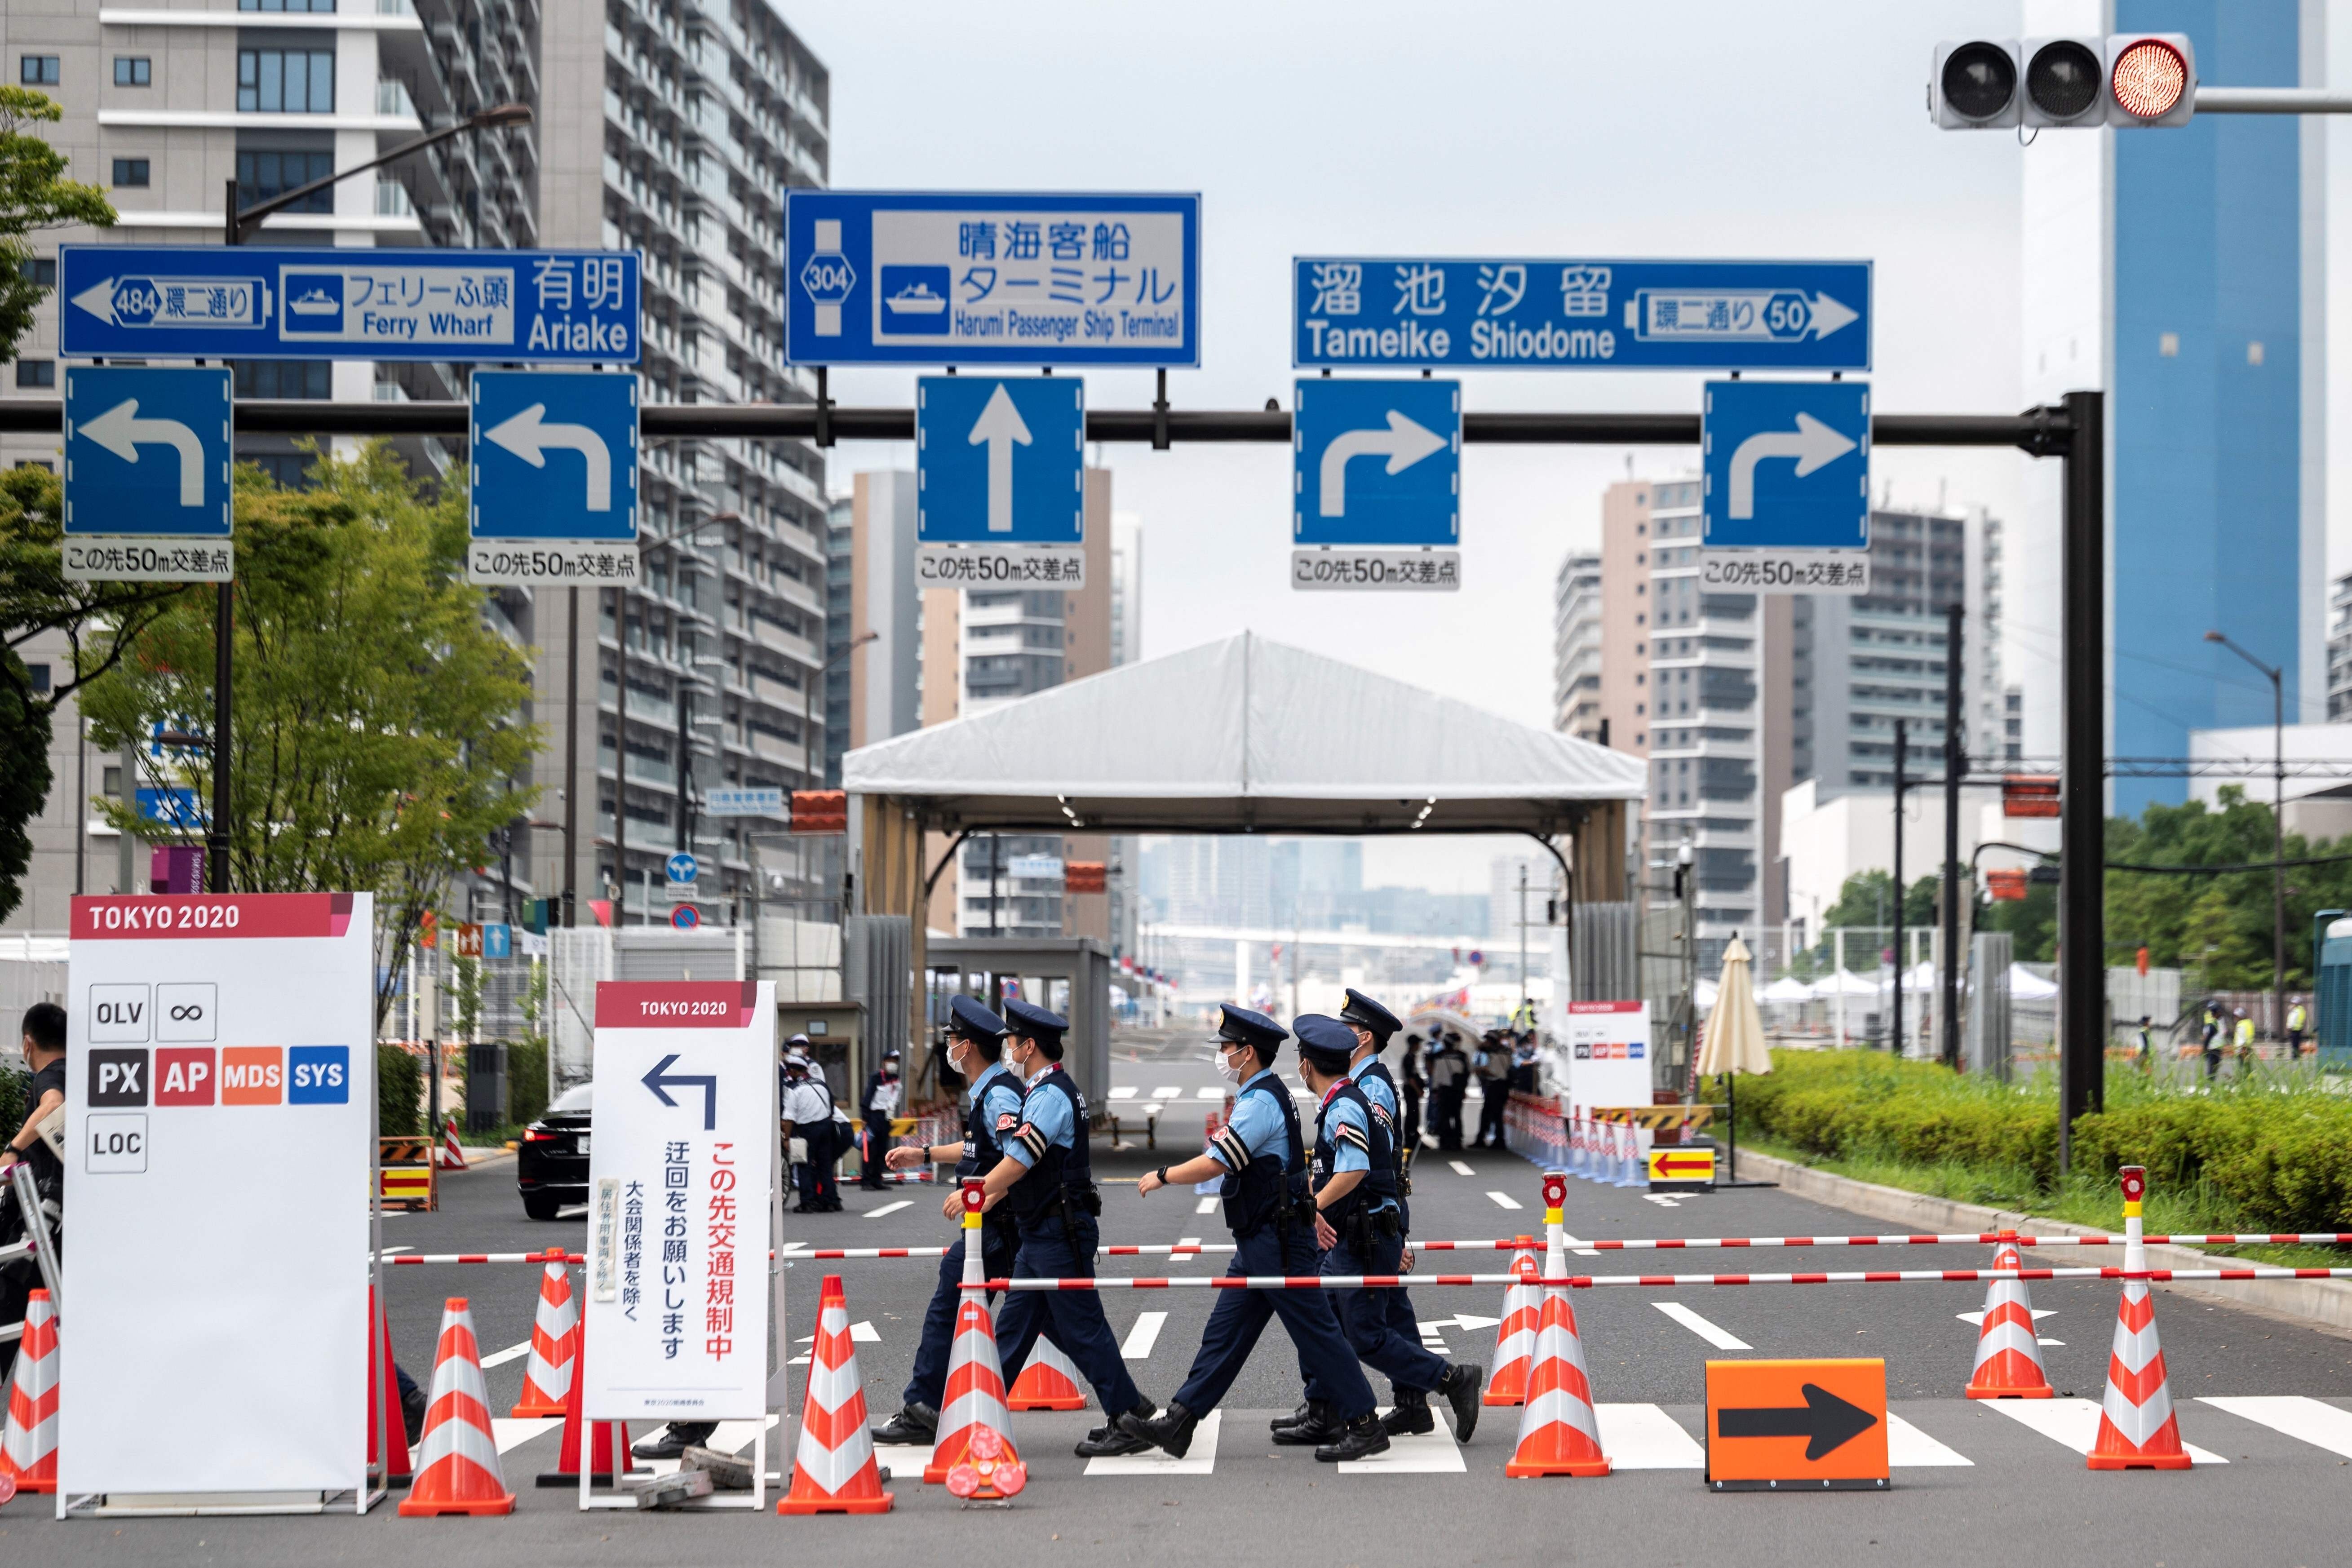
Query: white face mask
pixel 1226 1068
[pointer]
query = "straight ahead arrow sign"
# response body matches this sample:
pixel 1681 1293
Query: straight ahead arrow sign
pixel 1000 425
pixel 1826 1422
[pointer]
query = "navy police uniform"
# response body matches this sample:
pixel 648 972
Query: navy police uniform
pixel 1054 1208
pixel 1379 1090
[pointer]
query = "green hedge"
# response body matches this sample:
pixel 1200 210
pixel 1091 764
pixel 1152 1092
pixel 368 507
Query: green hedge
pixel 526 1081
pixel 2275 1159
pixel 399 1090
pixel 15 1083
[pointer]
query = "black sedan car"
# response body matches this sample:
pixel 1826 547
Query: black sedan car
pixel 551 1162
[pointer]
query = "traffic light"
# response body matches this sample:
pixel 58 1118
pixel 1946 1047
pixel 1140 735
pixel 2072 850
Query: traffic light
pixel 2123 79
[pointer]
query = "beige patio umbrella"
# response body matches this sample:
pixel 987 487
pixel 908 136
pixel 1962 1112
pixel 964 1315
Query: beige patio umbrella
pixel 1734 1043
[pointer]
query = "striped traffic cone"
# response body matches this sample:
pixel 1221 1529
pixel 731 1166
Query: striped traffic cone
pixel 2009 1355
pixel 2137 1430
pixel 610 1439
pixel 457 1464
pixel 28 1443
pixel 1558 1433
pixel 554 1344
pixel 452 1157
pixel 833 1470
pixel 1050 1382
pixel 1515 1336
pixel 974 1401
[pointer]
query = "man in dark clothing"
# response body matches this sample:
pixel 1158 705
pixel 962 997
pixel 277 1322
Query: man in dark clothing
pixel 44 1047
pixel 881 1103
pixel 1449 1082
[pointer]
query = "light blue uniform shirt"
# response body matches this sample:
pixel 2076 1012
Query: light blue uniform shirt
pixel 1049 1114
pixel 1256 1130
pixel 1341 1111
pixel 997 1090
pixel 1378 1092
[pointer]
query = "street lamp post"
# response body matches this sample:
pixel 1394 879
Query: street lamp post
pixel 2278 825
pixel 236 222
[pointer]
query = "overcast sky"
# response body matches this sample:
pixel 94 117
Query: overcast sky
pixel 1742 128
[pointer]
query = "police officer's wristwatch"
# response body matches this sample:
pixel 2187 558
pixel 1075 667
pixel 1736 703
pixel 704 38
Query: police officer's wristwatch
pixel 1162 1174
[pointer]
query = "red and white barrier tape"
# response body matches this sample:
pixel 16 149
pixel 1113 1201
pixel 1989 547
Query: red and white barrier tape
pixel 1963 1238
pixel 1663 1281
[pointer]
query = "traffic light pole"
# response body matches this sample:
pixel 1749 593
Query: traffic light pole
pixel 2075 431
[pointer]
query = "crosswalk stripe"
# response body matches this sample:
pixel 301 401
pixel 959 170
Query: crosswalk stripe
pixel 1208 1094
pixel 732 1438
pixel 1505 1200
pixel 1122 1091
pixel 1906 1444
pixel 889 1208
pixel 1416 1454
pixel 1721 1339
pixel 1462 1168
pixel 500 1358
pixel 1199 1459
pixel 2074 1423
pixel 1143 1336
pixel 2308 1420
pixel 1206 1205
pixel 1166 1091
pixel 1645 1437
pixel 510 1434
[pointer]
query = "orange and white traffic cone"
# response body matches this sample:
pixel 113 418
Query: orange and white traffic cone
pixel 1515 1336
pixel 547 1377
pixel 2137 1430
pixel 612 1441
pixel 1559 1435
pixel 974 1399
pixel 2009 1355
pixel 833 1470
pixel 457 1463
pixel 452 1158
pixel 1050 1382
pixel 383 1398
pixel 28 1443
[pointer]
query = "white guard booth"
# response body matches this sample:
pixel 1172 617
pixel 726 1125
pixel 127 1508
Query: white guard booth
pixel 685 1204
pixel 220 1124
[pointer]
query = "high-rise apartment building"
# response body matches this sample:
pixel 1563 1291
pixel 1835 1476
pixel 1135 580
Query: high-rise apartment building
pixel 839 572
pixel 1576 647
pixel 2339 653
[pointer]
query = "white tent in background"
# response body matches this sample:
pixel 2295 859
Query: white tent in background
pixel 1843 983
pixel 1787 990
pixel 2024 985
pixel 1705 994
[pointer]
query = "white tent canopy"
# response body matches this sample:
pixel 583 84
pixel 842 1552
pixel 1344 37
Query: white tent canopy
pixel 1244 735
pixel 1786 989
pixel 1845 982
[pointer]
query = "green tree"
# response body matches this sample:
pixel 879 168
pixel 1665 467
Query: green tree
pixel 99 621
pixel 2181 919
pixel 34 194
pixel 1865 900
pixel 2032 922
pixel 378 739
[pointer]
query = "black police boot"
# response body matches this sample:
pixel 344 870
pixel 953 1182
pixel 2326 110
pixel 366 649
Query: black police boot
pixel 1293 1419
pixel 1319 1425
pixel 1109 1441
pixel 916 1423
pixel 1461 1386
pixel 1411 1415
pixel 675 1439
pixel 1359 1439
pixel 1170 1431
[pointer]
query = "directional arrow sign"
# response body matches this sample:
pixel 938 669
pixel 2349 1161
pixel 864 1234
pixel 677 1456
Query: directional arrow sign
pixel 121 431
pixel 1823 1420
pixel 1811 444
pixel 1818 1425
pixel 1000 460
pixel 538 514
pixel 148 453
pixel 1787 501
pixel 661 1081
pixel 1412 497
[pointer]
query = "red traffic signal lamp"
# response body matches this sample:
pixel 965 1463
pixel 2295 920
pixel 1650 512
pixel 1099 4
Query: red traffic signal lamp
pixel 2123 78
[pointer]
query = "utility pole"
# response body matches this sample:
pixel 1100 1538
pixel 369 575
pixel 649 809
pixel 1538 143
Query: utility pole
pixel 1955 763
pixel 1902 741
pixel 1523 927
pixel 571 761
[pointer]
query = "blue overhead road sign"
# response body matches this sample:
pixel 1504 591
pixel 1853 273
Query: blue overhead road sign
pixel 1000 459
pixel 1787 467
pixel 1567 313
pixel 553 459
pixel 992 277
pixel 408 303
pixel 1377 462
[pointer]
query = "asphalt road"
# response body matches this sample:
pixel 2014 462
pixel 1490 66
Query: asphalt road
pixel 1991 1484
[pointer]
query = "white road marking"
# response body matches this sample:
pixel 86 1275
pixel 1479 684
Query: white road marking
pixel 732 1438
pixel 1906 1444
pixel 1208 1094
pixel 1663 1201
pixel 889 1208
pixel 1461 1168
pixel 1645 1437
pixel 390 1250
pixel 1976 1320
pixel 2074 1423
pixel 2321 1426
pixel 1580 1251
pixel 1122 1091
pixel 1142 1337
pixel 1188 1241
pixel 1472 1321
pixel 1720 1339
pixel 861 1333
pixel 1167 1091
pixel 1505 1201
pixel 1199 1459
pixel 500 1358
pixel 1207 1205
pixel 1419 1453
pixel 510 1434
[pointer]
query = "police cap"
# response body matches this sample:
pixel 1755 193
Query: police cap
pixel 1325 1044
pixel 1256 1030
pixel 1362 1011
pixel 969 1019
pixel 1036 1023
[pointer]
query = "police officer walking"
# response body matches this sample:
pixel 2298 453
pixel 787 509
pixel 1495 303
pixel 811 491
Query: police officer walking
pixel 1047 1179
pixel 882 1092
pixel 1262 1158
pixel 808 1114
pixel 1362 1229
pixel 1449 1081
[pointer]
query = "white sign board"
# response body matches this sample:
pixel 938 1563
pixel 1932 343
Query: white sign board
pixel 1608 1055
pixel 681 1200
pixel 220 1108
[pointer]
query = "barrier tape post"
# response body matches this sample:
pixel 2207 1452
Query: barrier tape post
pixel 1559 1432
pixel 975 1455
pixel 2137 1429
